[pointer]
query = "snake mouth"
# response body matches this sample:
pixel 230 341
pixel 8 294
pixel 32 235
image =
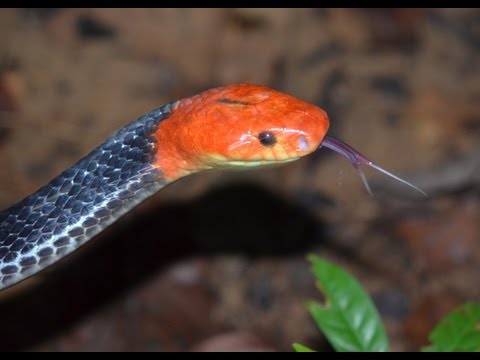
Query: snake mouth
pixel 221 161
pixel 255 163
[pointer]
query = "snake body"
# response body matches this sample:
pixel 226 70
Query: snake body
pixel 218 128
pixel 82 201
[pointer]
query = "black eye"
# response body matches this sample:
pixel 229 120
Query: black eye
pixel 267 138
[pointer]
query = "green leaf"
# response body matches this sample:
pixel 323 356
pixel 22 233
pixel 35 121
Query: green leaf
pixel 349 318
pixel 301 348
pixel 458 331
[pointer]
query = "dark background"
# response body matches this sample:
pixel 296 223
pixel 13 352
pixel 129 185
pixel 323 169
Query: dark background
pixel 223 255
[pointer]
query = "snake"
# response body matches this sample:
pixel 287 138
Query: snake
pixel 234 126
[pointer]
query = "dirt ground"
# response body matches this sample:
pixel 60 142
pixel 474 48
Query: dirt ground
pixel 217 261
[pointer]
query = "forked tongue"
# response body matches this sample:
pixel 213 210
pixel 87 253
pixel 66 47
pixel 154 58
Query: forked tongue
pixel 357 159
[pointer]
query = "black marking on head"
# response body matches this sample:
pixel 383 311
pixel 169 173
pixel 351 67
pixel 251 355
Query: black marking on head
pixel 267 138
pixel 233 102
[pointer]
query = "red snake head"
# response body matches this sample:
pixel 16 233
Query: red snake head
pixel 237 125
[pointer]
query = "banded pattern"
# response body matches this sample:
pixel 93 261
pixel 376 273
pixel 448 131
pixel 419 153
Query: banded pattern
pixel 81 201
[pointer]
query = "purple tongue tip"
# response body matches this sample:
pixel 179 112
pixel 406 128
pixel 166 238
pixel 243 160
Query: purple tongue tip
pixel 356 158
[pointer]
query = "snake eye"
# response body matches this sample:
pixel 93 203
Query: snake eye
pixel 267 138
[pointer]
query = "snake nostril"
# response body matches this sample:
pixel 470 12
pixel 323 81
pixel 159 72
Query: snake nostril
pixel 302 143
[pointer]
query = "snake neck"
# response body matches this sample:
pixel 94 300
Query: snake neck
pixel 82 201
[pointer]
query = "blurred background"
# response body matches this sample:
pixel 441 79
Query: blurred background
pixel 217 261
